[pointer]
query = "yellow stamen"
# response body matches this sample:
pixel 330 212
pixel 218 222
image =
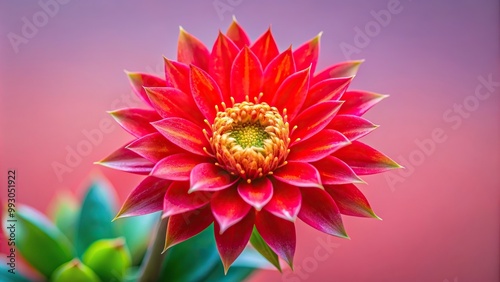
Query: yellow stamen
pixel 250 140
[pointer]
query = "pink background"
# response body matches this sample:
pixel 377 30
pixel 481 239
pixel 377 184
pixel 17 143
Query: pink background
pixel 441 216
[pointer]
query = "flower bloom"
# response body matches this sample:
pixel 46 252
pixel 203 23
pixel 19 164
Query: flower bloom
pixel 245 136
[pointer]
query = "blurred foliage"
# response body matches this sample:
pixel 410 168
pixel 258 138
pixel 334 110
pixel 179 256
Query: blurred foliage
pixel 81 243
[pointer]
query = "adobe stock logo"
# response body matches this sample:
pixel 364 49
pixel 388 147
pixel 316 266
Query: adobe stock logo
pixel 454 117
pixel 364 35
pixel 31 25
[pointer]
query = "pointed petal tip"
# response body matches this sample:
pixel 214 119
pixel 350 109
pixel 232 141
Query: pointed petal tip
pixel 234 18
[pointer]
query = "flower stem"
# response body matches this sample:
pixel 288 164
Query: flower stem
pixel 153 259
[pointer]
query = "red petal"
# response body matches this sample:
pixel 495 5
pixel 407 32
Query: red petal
pixel 276 72
pixel 329 89
pixel 221 61
pixel 292 93
pixel 146 198
pixel 313 120
pixel 125 160
pixel 298 174
pixel 228 208
pixel 307 54
pixel 278 233
pixel 320 211
pixel 258 193
pixel 358 102
pixel 353 127
pixel 206 93
pixel 140 80
pixel 153 147
pixel 186 225
pixel 350 200
pixel 177 75
pixel 343 69
pixel 184 134
pixel 190 50
pixel 177 199
pixel 246 76
pixel 209 177
pixel 136 121
pixel 231 243
pixel 317 147
pixel 363 159
pixel 286 201
pixel 178 166
pixel 334 171
pixel 265 48
pixel 171 102
pixel 238 35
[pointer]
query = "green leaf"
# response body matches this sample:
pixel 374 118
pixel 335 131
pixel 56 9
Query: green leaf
pixel 261 246
pixel 41 244
pixel 64 213
pixel 74 271
pixel 109 259
pixel 97 212
pixel 191 260
pixel 250 258
pixel 234 274
pixel 137 231
pixel 10 273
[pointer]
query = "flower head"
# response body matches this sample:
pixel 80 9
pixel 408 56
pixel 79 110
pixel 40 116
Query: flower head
pixel 245 136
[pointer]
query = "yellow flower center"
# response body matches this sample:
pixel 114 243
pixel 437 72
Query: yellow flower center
pixel 250 140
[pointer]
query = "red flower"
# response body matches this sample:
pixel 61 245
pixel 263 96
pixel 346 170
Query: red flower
pixel 246 136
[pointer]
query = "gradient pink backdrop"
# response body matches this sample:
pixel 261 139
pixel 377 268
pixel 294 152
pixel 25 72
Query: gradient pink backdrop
pixel 441 221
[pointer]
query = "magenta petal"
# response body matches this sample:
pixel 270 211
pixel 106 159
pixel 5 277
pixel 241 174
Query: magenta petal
pixel 357 102
pixel 177 75
pixel 146 198
pixel 125 160
pixel 298 174
pixel 136 121
pixel 313 120
pixel 209 177
pixel 140 80
pixel 278 233
pixel 246 76
pixel 292 93
pixel 363 159
pixel 343 69
pixel 221 61
pixel 177 199
pixel 320 211
pixel 154 147
pixel 238 35
pixel 334 171
pixel 231 243
pixel 184 134
pixel 326 90
pixel 177 166
pixel 307 55
pixel 265 48
pixel 275 73
pixel 258 193
pixel 206 92
pixel 190 50
pixel 317 147
pixel 183 226
pixel 353 127
pixel 228 208
pixel 286 201
pixel 171 102
pixel 350 200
